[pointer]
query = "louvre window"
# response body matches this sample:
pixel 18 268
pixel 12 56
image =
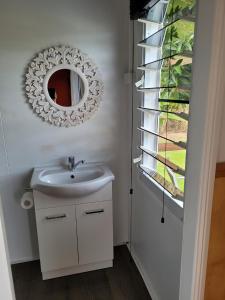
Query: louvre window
pixel 165 79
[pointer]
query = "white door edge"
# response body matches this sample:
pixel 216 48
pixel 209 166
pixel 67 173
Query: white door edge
pixel 205 121
pixel 7 288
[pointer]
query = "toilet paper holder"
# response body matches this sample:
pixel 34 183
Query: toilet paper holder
pixel 27 201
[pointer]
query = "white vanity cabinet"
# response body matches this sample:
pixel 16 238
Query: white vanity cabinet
pixel 74 235
pixel 57 237
pixel 94 231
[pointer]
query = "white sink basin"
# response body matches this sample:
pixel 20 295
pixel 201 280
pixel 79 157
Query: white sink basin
pixel 59 182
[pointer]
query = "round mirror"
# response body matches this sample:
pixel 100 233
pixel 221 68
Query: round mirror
pixel 66 87
pixel 63 86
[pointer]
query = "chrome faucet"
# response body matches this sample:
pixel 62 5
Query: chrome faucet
pixel 71 163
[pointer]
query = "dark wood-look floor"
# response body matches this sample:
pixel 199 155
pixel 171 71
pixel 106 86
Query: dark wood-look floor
pixel 122 282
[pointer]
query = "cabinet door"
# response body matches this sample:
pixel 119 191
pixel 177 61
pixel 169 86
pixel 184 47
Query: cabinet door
pixel 57 237
pixel 95 232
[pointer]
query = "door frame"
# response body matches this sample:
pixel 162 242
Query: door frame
pixel 204 136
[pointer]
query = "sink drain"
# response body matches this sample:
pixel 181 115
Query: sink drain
pixel 72 176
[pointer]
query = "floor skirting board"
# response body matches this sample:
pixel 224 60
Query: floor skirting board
pixel 144 275
pixel 24 260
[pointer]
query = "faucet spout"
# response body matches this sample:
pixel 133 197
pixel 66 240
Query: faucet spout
pixel 71 163
pixel 78 163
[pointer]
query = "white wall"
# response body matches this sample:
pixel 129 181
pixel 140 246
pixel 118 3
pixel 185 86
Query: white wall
pixel 156 246
pixel 99 28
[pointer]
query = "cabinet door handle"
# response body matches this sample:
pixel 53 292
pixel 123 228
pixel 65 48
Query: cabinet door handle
pixel 96 211
pixel 55 217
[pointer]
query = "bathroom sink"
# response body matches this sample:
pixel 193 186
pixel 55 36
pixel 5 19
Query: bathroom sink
pixel 60 182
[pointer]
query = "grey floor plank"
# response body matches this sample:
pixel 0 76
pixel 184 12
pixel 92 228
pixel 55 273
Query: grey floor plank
pixel 122 282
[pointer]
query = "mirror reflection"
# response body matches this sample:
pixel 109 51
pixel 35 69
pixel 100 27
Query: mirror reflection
pixel 66 87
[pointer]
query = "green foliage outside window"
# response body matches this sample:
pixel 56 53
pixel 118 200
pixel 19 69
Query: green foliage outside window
pixel 176 72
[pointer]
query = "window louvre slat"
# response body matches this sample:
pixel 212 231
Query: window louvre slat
pixel 168 60
pixel 153 16
pixel 174 101
pixel 190 18
pixel 164 161
pixel 156 89
pixel 182 115
pixel 156 39
pixel 179 144
pixel 169 187
pixel 145 21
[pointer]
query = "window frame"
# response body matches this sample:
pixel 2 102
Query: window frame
pixel 148 29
